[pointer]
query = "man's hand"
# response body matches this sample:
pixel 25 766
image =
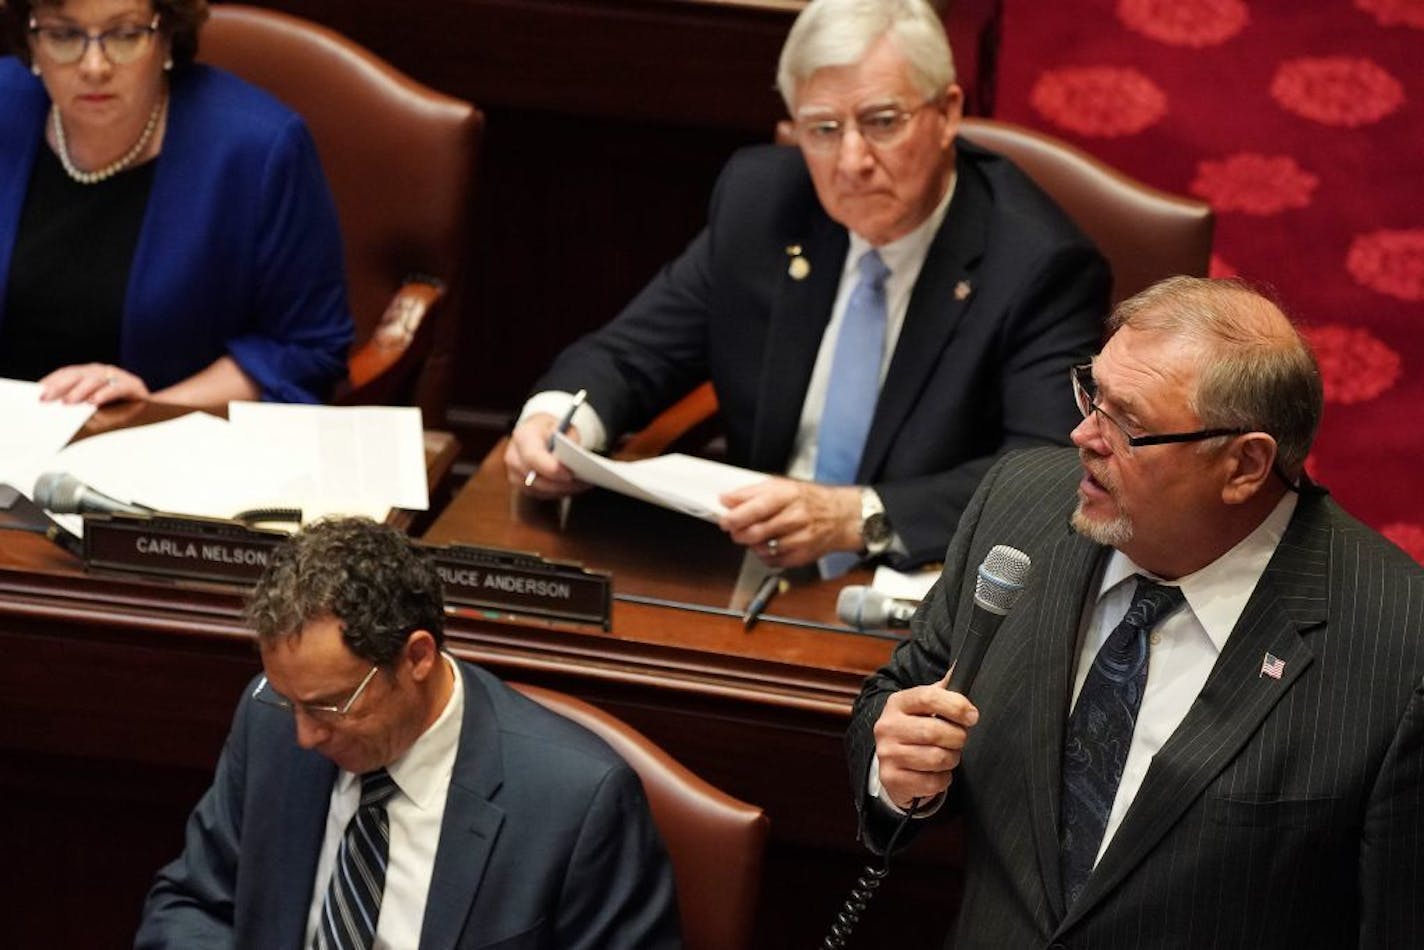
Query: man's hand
pixel 803 519
pixel 918 739
pixel 528 451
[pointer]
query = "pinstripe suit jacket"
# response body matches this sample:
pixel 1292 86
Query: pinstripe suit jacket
pixel 1281 813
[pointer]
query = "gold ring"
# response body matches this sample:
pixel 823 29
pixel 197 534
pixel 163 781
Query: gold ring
pixel 109 379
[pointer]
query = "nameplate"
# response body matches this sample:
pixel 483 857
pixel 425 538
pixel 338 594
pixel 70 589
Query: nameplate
pixel 523 584
pixel 192 548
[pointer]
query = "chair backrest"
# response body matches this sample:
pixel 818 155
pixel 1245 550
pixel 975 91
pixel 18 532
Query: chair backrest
pixel 716 842
pixel 400 158
pixel 1144 233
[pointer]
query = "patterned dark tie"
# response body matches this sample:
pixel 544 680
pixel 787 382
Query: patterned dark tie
pixel 853 389
pixel 1100 731
pixel 353 898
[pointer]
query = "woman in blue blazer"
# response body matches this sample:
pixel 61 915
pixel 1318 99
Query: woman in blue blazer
pixel 165 229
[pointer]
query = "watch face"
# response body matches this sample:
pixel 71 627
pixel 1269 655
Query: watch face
pixel 876 528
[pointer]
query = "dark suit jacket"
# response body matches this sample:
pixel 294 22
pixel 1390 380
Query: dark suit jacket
pixel 970 378
pixel 546 841
pixel 1281 813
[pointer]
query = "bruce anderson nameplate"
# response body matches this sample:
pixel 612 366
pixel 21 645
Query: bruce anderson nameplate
pixel 523 584
pixel 200 549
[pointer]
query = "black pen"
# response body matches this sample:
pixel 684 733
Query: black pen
pixel 770 586
pixel 563 427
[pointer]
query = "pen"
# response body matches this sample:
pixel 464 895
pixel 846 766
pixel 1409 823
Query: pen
pixel 770 586
pixel 564 424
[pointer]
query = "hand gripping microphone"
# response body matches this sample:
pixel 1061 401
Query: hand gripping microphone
pixel 64 494
pixel 866 608
pixel 996 590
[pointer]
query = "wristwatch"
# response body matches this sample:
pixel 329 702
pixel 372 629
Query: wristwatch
pixel 875 530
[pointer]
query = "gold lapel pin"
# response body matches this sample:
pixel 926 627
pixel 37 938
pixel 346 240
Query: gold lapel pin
pixel 962 290
pixel 799 268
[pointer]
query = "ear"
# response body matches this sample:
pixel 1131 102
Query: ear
pixel 1249 463
pixel 422 654
pixel 953 109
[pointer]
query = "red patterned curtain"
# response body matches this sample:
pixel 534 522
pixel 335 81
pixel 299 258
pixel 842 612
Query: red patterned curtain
pixel 1302 123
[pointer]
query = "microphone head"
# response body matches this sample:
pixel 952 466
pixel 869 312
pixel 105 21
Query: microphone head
pixel 862 607
pixel 1001 578
pixel 58 492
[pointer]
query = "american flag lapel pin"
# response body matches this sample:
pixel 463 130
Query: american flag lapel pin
pixel 1272 666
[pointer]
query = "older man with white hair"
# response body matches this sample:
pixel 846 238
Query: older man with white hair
pixel 882 311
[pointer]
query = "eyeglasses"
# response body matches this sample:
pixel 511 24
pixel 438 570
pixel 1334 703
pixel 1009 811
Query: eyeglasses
pixel 264 693
pixel 1085 391
pixel 121 45
pixel 881 127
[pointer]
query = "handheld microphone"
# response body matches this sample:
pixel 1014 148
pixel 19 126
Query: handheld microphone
pixel 64 494
pixel 996 590
pixel 866 608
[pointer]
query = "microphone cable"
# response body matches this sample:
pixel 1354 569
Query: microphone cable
pixel 865 888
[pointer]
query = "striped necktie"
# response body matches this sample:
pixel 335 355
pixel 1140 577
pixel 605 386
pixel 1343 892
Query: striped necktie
pixel 353 898
pixel 1100 732
pixel 853 389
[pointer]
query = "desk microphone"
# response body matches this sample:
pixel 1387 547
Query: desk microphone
pixel 866 608
pixel 64 494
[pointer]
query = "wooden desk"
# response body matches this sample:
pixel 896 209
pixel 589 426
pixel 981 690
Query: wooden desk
pixel 761 714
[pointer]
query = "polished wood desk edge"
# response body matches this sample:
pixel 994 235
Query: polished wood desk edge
pixel 79 603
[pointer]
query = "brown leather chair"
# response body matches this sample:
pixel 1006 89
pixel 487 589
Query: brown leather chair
pixel 1145 234
pixel 400 158
pixel 716 841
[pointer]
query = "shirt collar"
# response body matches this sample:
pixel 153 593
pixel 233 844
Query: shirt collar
pixel 425 768
pixel 1217 594
pixel 913 246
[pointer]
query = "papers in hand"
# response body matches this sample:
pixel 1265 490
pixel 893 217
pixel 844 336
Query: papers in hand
pixel 680 482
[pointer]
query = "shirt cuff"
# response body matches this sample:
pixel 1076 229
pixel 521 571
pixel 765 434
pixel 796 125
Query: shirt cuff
pixel 592 433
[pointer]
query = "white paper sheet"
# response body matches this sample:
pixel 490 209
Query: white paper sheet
pixel 360 456
pixel 33 430
pixel 903 586
pixel 680 482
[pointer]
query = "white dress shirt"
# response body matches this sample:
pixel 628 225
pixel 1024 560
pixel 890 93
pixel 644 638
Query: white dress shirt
pixel 422 776
pixel 1183 647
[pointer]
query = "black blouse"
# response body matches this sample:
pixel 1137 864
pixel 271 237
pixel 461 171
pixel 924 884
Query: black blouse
pixel 69 271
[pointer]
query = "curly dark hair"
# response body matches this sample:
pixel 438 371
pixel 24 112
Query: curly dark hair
pixel 179 20
pixel 368 576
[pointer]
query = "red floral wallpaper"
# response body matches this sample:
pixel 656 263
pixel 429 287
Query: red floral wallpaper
pixel 1302 123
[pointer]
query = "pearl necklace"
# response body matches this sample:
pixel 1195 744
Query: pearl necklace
pixel 113 168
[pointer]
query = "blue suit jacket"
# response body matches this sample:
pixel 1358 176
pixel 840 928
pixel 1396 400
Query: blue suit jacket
pixel 546 841
pixel 240 250
pixel 1010 296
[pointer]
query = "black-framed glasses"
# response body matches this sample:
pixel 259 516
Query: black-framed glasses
pixel 323 712
pixel 121 45
pixel 881 126
pixel 1085 393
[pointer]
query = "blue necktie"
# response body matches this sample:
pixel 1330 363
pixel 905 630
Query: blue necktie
pixel 1100 732
pixel 358 880
pixel 853 389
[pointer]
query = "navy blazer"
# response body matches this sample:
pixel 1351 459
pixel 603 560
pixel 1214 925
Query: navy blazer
pixel 1281 813
pixel 1010 296
pixel 240 250
pixel 546 841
